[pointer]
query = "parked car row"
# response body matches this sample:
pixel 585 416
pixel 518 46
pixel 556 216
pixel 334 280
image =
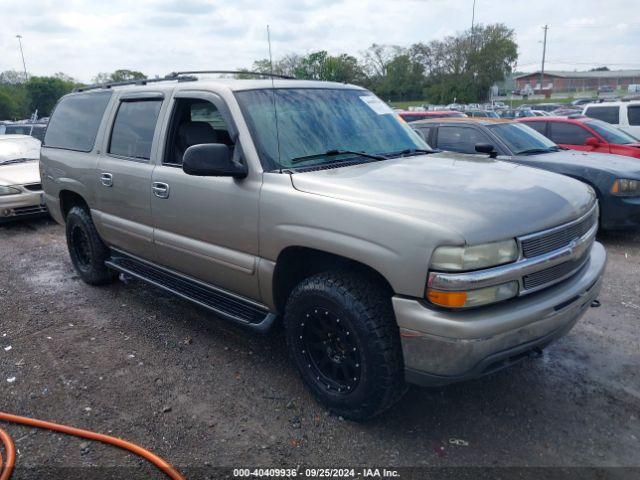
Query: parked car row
pixel 625 115
pixel 614 178
pixel 35 129
pixel 422 247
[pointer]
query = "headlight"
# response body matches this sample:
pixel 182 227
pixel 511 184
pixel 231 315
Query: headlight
pixel 473 298
pixel 474 257
pixel 626 187
pixel 8 190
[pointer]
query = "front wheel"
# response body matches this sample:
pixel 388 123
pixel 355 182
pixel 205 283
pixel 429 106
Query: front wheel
pixel 344 341
pixel 86 249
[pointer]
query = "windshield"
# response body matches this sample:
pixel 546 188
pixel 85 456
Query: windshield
pixel 18 129
pixel 312 122
pixel 521 139
pixel 12 149
pixel 610 133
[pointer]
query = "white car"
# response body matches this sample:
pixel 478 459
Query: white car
pixel 20 186
pixel 624 115
pixel 540 113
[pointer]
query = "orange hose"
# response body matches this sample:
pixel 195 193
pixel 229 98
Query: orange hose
pixel 5 474
pixel 10 452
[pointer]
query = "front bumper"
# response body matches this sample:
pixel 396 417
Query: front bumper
pixel 619 213
pixel 21 205
pixel 442 346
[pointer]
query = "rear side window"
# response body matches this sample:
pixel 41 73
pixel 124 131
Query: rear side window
pixel 606 114
pixel 424 132
pixel 18 130
pixel 133 129
pixel 460 139
pixel 540 127
pixel 568 133
pixel 75 121
pixel 38 132
pixel 633 114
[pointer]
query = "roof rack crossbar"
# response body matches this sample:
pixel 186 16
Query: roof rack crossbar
pixel 140 81
pixel 234 72
pixel 178 76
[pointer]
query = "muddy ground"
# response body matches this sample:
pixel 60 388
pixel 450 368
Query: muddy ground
pixel 130 360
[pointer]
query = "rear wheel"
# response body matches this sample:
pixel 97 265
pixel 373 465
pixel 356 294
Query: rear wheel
pixel 342 336
pixel 86 249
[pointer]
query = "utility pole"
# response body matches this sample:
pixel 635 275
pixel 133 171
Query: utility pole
pixel 24 65
pixel 473 15
pixel 544 52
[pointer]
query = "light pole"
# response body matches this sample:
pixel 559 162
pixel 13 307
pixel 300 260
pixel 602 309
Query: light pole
pixel 24 65
pixel 473 15
pixel 544 53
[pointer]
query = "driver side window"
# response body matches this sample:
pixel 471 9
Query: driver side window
pixel 194 122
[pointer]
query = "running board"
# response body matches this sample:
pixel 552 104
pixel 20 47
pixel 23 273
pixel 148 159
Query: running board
pixel 227 305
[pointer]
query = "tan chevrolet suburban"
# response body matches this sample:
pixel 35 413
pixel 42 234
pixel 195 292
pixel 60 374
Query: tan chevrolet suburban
pixel 312 204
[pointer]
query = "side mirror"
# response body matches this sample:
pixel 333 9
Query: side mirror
pixel 592 142
pixel 486 148
pixel 212 160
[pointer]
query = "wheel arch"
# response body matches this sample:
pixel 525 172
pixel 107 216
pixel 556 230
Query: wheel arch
pixel 295 263
pixel 70 199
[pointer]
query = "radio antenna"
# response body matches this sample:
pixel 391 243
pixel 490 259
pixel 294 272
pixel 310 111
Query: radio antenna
pixel 273 96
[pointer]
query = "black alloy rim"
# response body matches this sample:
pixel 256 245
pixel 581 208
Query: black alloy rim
pixel 81 246
pixel 330 350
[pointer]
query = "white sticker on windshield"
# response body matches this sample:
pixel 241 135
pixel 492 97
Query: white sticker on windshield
pixel 376 105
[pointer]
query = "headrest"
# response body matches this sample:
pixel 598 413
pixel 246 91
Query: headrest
pixel 195 133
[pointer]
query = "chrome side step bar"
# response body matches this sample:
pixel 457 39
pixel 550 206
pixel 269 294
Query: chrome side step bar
pixel 231 307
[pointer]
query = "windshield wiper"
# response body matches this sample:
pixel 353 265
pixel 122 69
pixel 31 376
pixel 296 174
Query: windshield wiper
pixel 333 153
pixel 17 160
pixel 533 151
pixel 409 151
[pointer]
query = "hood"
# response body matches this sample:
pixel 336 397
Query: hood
pixel 477 198
pixel 20 173
pixel 18 146
pixel 615 164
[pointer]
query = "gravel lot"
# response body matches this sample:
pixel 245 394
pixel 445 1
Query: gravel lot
pixel 131 360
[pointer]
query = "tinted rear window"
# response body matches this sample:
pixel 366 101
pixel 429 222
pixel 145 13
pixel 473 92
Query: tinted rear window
pixel 133 129
pixel 18 130
pixel 606 114
pixel 633 113
pixel 539 127
pixel 460 139
pixel 568 133
pixel 38 132
pixel 75 121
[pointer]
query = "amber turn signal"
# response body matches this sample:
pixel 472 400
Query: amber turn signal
pixel 447 299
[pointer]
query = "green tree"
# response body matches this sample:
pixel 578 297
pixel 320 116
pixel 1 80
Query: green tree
pixel 8 106
pixel 314 66
pixel 120 75
pixel 465 66
pixel 404 79
pixel 44 92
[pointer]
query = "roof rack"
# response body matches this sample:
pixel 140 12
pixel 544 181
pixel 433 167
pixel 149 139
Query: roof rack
pixel 234 72
pixel 180 77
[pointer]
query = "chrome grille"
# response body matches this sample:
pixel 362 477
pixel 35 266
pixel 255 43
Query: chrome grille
pixel 545 242
pixel 29 210
pixel 552 275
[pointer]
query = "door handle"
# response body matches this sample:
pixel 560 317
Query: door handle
pixel 106 179
pixel 160 190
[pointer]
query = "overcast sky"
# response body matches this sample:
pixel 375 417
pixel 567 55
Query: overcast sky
pixel 82 38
